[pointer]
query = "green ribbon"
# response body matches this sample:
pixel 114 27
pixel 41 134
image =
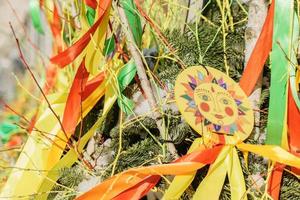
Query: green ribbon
pixel 109 46
pixel 134 20
pixel 34 8
pixel 125 77
pixel 282 46
pixel 125 104
pixel 134 23
pixel 90 15
pixel 8 128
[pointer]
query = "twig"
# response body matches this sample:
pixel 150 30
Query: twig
pixel 15 112
pixel 28 122
pixel 159 33
pixel 120 144
pixel 145 83
pixel 119 48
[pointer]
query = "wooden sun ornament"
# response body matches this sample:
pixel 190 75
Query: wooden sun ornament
pixel 211 101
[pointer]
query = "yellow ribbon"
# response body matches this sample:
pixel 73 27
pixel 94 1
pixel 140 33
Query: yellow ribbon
pixel 94 55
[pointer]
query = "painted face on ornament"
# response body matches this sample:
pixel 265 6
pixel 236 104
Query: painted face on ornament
pixel 215 104
pixel 208 98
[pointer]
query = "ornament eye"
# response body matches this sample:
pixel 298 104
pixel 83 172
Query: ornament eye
pixel 225 102
pixel 205 98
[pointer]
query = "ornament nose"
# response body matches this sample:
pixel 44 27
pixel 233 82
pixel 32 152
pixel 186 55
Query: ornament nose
pixel 216 105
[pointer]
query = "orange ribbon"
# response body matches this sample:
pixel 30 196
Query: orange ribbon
pixel 135 183
pixel 259 54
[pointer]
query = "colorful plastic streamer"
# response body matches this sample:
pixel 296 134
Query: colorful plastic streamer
pixel 91 3
pixel 71 157
pixel 259 54
pixel 115 186
pixel 109 46
pixel 73 104
pixel 134 20
pixel 103 83
pixel 44 147
pixel 293 128
pixel 90 14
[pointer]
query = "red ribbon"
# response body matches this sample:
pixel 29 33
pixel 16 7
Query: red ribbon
pixel 73 104
pixel 293 127
pixel 91 3
pixel 139 190
pixel 275 181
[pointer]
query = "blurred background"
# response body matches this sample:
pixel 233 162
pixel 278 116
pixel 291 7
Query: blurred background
pixel 35 46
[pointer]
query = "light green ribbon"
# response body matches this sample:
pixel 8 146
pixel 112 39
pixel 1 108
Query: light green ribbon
pixel 134 20
pixel 109 46
pixel 8 128
pixel 90 15
pixel 282 46
pixel 34 7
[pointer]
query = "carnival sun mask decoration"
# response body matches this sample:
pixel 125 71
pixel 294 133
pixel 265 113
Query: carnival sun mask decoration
pixel 208 99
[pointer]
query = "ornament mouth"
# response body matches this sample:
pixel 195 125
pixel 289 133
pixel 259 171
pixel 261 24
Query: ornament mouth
pixel 219 116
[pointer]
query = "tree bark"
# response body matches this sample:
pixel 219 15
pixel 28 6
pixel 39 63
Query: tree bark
pixel 195 7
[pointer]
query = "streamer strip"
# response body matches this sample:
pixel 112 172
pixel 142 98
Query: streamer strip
pixel 259 55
